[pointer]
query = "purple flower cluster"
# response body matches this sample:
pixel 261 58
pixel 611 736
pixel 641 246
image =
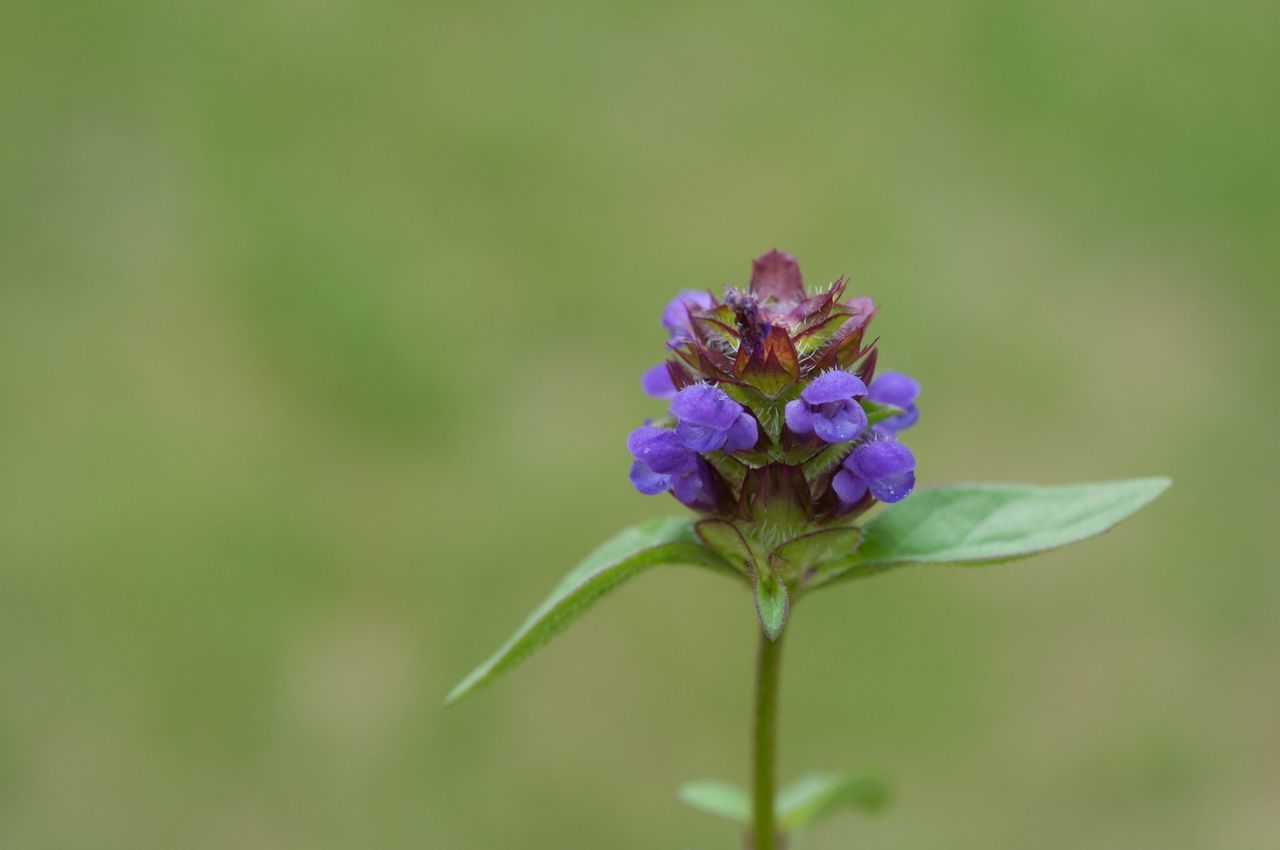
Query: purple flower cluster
pixel 663 463
pixel 678 320
pixel 707 420
pixel 808 382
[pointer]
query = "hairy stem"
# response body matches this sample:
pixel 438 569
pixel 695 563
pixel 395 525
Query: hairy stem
pixel 764 830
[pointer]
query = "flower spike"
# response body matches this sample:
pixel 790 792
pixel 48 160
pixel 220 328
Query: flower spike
pixel 744 366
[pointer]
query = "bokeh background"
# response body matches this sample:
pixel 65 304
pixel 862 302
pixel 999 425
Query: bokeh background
pixel 320 331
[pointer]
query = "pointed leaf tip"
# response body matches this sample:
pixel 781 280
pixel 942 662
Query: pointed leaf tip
pixel 990 523
pixel 815 797
pixel 715 797
pixel 659 542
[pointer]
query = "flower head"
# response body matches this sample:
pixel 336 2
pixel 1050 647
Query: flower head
pixel 772 391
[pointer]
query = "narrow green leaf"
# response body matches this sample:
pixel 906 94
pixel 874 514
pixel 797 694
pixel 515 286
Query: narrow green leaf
pixel 654 543
pixel 984 523
pixel 812 798
pixel 723 799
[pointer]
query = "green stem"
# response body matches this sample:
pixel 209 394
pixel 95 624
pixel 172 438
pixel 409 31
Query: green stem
pixel 764 830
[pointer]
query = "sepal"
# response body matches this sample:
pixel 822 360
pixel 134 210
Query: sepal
pixel 796 557
pixel 772 600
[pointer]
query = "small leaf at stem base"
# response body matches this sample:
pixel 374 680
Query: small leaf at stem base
pixel 715 797
pixel 811 798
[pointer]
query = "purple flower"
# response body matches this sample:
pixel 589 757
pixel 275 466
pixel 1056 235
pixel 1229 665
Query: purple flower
pixel 707 420
pixel 826 407
pixel 884 466
pixel 675 318
pixel 901 391
pixel 662 463
pixel 657 382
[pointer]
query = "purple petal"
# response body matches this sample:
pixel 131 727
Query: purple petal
pixel 657 382
pixel 833 386
pixel 743 434
pixel 647 481
pixel 881 459
pixel 700 438
pixel 849 487
pixel 799 417
pixel 777 275
pixel 694 488
pixel 893 488
pixel 703 404
pixel 895 388
pixel 660 449
pixel 894 424
pixel 846 424
pixel 675 317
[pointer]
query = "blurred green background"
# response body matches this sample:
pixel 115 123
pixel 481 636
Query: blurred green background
pixel 320 331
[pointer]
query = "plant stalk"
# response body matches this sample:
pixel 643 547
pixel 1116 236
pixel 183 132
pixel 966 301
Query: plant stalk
pixel 764 829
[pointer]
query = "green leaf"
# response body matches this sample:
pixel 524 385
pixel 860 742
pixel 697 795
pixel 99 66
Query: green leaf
pixel 984 523
pixel 877 412
pixel 723 799
pixel 799 805
pixel 654 543
pixel 812 798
